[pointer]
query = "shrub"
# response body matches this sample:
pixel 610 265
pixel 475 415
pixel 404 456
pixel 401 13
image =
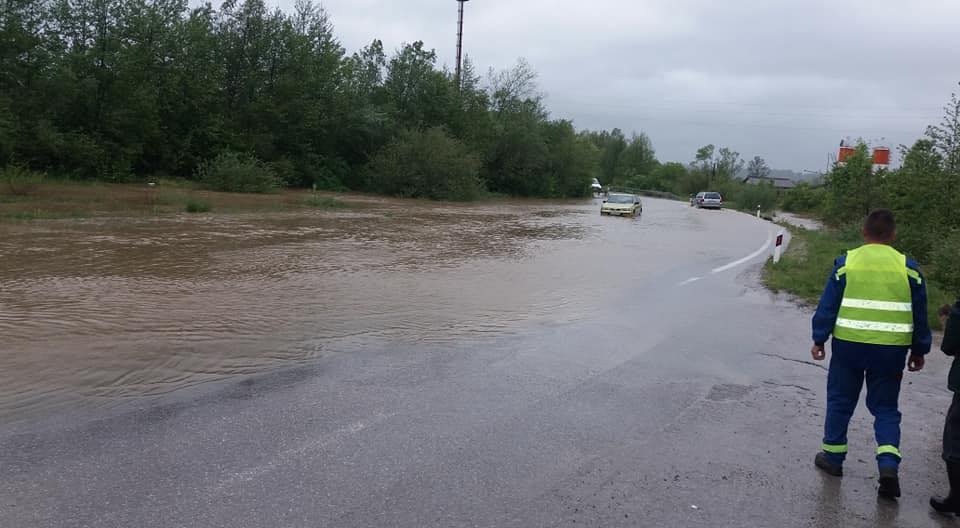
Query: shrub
pixel 943 262
pixel 749 196
pixel 804 199
pixel 232 172
pixel 198 206
pixel 20 181
pixel 285 171
pixel 426 164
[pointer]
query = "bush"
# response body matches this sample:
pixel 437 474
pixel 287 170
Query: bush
pixel 198 206
pixel 749 196
pixel 232 172
pixel 944 263
pixel 426 164
pixel 20 181
pixel 285 172
pixel 804 199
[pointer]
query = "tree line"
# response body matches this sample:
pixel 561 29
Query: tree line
pixel 246 97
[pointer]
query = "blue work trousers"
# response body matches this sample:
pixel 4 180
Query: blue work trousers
pixel 882 368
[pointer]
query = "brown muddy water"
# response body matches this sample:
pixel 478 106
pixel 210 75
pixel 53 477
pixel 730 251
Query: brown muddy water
pixel 97 312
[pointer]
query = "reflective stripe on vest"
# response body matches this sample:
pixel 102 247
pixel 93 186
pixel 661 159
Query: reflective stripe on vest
pixel 877 306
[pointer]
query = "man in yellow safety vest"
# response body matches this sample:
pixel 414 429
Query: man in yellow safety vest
pixel 875 305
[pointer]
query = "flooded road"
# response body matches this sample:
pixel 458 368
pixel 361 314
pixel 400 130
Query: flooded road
pixel 410 364
pixel 97 312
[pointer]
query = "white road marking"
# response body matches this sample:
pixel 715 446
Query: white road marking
pixel 301 451
pixel 734 264
pixel 748 258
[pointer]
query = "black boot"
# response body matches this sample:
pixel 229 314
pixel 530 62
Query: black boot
pixel 830 469
pixel 950 504
pixel 889 484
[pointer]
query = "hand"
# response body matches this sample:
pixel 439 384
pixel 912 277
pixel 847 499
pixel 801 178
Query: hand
pixel 915 364
pixel 818 353
pixel 944 314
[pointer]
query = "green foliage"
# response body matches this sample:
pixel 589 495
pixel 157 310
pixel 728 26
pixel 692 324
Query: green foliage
pixel 808 261
pixel 944 261
pixel 232 172
pixel 805 267
pixel 749 195
pixel 637 161
pixel 804 199
pixel 757 168
pixel 712 170
pixel 125 90
pixel 198 206
pixel 666 177
pixel 427 164
pixel 853 188
pixel 20 181
pixel 924 193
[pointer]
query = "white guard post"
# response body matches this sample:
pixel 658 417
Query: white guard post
pixel 778 249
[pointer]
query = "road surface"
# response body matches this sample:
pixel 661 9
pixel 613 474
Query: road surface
pixel 681 395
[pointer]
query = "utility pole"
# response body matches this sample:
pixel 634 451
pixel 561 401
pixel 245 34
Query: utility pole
pixel 460 43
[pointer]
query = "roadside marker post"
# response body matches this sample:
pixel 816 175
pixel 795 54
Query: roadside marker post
pixel 778 249
pixel 758 211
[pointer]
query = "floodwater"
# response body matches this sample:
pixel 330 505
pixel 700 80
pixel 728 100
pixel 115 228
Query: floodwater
pixel 97 312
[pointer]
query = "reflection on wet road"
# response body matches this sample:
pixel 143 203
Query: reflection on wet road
pixel 104 310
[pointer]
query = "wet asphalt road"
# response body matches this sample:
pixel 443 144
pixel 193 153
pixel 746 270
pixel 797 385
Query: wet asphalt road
pixel 681 402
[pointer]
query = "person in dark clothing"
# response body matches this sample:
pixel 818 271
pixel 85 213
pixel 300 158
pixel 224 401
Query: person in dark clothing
pixel 951 430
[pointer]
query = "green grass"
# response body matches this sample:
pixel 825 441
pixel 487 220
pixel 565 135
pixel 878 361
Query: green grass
pixel 198 206
pixel 805 267
pixel 324 202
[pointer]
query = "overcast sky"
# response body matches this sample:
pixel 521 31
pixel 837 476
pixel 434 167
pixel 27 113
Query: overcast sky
pixel 783 79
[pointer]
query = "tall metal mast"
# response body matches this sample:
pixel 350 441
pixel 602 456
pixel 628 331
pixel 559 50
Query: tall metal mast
pixel 460 42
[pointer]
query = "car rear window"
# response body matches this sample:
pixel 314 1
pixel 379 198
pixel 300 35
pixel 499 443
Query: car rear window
pixel 712 196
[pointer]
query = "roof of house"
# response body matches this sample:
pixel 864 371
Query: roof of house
pixel 779 183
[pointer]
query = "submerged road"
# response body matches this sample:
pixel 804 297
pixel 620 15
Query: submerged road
pixel 679 395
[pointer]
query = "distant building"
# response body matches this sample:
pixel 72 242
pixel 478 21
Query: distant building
pixel 781 184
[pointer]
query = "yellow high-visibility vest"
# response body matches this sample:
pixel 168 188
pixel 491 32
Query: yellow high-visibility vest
pixel 877 305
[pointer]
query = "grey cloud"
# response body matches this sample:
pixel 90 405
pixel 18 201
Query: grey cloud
pixel 783 79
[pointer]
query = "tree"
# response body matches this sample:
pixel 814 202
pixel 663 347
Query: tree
pixel 757 168
pixel 638 159
pixel 610 145
pixel 668 177
pixel 728 164
pixel 946 136
pixel 569 161
pixel 427 164
pixel 716 167
pixel 914 193
pixel 130 89
pixel 852 192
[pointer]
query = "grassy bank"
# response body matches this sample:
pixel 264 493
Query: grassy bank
pixel 57 200
pixel 807 263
